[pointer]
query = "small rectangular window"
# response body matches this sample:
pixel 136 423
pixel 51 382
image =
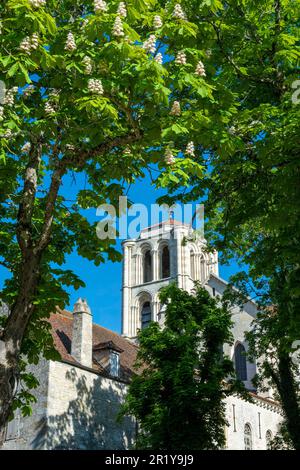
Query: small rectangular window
pixel 114 364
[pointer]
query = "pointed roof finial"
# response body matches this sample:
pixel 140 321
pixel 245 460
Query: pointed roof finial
pixel 81 306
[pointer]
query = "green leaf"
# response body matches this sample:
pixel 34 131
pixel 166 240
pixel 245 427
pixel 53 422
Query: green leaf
pixel 13 69
pixel 25 73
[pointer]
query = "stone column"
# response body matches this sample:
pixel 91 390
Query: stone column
pixel 179 260
pixel 173 256
pixel 137 321
pixel 155 309
pixel 132 321
pixel 202 269
pixel 127 278
pixel 196 265
pixel 216 265
pixel 138 269
pixel 155 264
pixel 185 265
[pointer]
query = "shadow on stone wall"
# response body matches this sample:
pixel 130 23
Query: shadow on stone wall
pixel 90 420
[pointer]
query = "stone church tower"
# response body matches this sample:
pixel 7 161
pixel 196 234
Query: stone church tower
pixel 163 253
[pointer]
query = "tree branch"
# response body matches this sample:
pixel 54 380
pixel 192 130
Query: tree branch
pixel 78 159
pixel 82 156
pixel 6 265
pixel 50 205
pixel 231 61
pixel 24 218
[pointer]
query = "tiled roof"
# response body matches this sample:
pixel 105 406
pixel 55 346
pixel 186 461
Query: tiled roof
pixel 62 324
pixel 269 401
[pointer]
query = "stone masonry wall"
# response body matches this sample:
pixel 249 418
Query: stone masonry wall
pixel 261 417
pixel 29 432
pixel 82 411
pixel 75 409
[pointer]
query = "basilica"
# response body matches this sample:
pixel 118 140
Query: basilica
pixel 79 397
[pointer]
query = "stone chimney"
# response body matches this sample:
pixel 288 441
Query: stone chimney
pixel 82 338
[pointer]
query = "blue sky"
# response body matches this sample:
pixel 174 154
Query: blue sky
pixel 103 283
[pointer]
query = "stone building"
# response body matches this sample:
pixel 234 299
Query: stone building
pixel 170 252
pixel 79 397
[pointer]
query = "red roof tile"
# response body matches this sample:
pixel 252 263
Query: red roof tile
pixel 62 325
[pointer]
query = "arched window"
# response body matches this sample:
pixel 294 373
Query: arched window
pixel 146 314
pixel 240 362
pixel 147 266
pixel 248 437
pixel 269 437
pixel 165 262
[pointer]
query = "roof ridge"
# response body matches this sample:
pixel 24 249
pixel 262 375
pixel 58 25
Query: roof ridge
pixel 67 314
pixel 169 221
pixel 115 333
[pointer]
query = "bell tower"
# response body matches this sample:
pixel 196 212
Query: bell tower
pixel 163 253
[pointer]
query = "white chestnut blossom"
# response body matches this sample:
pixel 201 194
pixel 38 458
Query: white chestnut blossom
pixel 70 147
pixel 158 58
pixel 34 40
pixel 70 43
pixel 29 44
pixel 1 113
pixel 180 58
pixel 169 157
pixel 157 22
pixel 87 62
pixel 175 110
pixel 26 147
pixel 28 91
pixel 118 27
pixel 178 12
pixel 25 45
pixel 200 70
pixel 127 152
pixel 149 44
pixel 122 10
pixel 9 96
pixel 100 6
pixel 37 3
pixel 190 149
pixel 54 93
pixel 85 23
pixel 7 134
pixel 95 86
pixel 232 130
pixel 49 109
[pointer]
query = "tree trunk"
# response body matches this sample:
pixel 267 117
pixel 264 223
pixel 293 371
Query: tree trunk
pixel 12 336
pixel 11 340
pixel 8 377
pixel 289 398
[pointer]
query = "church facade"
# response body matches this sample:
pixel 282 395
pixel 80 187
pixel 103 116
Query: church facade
pixel 78 398
pixel 171 252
